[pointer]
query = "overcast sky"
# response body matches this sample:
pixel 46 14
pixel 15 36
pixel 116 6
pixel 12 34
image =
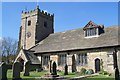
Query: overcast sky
pixel 67 15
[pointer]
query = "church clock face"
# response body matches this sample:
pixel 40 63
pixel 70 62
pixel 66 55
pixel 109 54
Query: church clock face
pixel 28 34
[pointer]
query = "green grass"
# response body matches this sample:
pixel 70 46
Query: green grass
pixel 70 75
pixel 34 74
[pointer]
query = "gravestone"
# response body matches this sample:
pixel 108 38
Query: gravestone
pixel 27 68
pixel 53 72
pixel 50 66
pixel 16 70
pixel 66 70
pixel 73 64
pixel 54 69
pixel 117 74
pixel 3 71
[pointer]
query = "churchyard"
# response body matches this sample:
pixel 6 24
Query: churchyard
pixel 35 75
pixel 16 74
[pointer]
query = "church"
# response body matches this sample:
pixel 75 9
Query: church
pixel 90 47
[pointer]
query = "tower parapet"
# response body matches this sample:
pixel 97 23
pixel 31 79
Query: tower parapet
pixel 36 11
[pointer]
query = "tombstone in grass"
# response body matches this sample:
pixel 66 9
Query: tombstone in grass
pixel 50 67
pixel 73 64
pixel 3 71
pixel 116 65
pixel 27 68
pixel 66 70
pixel 16 71
pixel 54 70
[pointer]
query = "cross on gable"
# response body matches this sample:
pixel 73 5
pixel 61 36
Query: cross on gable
pixel 90 25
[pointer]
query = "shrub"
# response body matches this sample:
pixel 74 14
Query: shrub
pixel 82 71
pixel 89 71
pixel 100 72
pixel 104 73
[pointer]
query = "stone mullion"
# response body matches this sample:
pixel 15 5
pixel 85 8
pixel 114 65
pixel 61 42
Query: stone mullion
pixel 86 58
pixel 83 59
pixel 80 59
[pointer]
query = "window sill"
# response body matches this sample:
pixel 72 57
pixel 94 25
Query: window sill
pixel 82 65
pixel 92 36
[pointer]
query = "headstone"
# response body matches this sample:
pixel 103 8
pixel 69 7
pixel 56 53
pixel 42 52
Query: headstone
pixel 66 70
pixel 27 68
pixel 117 74
pixel 3 71
pixel 50 69
pixel 54 69
pixel 73 64
pixel 16 70
pixel 116 65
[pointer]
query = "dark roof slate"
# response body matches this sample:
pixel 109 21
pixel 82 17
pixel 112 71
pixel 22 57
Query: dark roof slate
pixel 31 57
pixel 74 39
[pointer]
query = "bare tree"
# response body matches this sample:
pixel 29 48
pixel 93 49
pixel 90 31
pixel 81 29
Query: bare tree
pixel 8 47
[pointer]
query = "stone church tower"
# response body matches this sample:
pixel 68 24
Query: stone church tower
pixel 35 26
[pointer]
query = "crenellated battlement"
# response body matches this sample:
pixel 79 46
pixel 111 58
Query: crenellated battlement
pixel 35 12
pixel 47 14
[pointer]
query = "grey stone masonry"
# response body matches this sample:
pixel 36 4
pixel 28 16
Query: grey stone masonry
pixel 36 25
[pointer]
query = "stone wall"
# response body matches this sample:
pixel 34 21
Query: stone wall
pixel 54 58
pixel 28 42
pixel 106 55
pixel 118 57
pixel 42 31
pixel 37 29
pixel 100 55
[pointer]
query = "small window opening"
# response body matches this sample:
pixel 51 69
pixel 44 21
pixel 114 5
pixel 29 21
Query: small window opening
pixel 29 22
pixel 45 24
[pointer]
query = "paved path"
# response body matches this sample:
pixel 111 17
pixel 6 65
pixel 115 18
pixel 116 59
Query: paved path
pixel 64 78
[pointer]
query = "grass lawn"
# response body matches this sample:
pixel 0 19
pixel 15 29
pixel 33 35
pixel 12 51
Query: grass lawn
pixel 34 74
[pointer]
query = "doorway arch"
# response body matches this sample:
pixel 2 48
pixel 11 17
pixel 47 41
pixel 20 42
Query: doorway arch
pixel 97 65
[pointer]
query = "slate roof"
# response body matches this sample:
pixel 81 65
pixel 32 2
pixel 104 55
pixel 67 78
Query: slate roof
pixel 74 39
pixel 31 57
